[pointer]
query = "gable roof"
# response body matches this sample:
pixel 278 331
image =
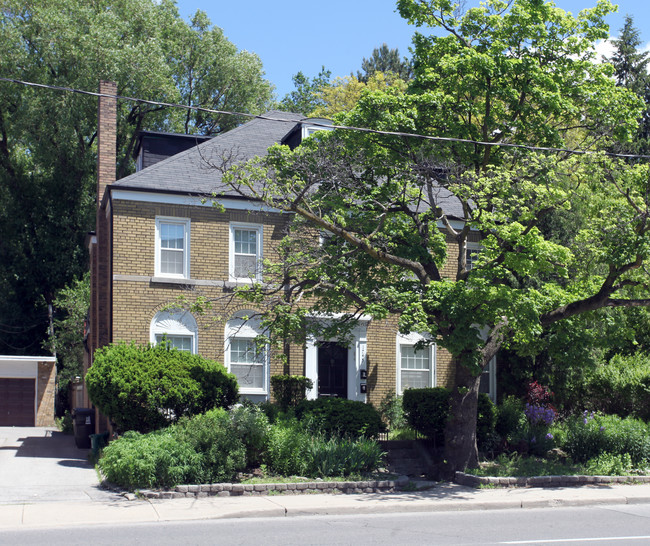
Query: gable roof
pixel 196 171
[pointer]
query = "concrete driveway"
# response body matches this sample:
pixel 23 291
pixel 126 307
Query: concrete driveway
pixel 43 464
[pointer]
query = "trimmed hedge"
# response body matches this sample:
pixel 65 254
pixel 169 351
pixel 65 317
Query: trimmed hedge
pixel 342 417
pixel 145 388
pixel 290 390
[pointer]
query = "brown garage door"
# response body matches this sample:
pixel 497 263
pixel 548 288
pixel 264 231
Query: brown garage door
pixel 17 402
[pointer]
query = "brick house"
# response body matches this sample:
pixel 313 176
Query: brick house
pixel 158 237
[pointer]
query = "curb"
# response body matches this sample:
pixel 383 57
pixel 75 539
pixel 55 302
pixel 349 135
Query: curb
pixel 471 480
pixel 261 489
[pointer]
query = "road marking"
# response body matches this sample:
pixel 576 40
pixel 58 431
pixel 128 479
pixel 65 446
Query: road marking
pixel 594 539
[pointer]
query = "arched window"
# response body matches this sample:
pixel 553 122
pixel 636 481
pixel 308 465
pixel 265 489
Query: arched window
pixel 244 357
pixel 177 327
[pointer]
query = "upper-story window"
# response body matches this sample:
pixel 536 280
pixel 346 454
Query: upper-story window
pixel 471 254
pixel 245 252
pixel 173 247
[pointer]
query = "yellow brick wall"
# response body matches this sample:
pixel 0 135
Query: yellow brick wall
pixel 135 303
pixel 45 395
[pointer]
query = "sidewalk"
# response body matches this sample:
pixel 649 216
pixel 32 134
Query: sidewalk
pixel 441 497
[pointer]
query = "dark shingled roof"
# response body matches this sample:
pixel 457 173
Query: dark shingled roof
pixel 196 171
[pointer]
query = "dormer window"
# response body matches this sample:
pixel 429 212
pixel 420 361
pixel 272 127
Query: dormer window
pixel 313 125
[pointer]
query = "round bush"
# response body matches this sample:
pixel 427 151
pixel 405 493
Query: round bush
pixel 342 417
pixel 144 388
pixel 427 410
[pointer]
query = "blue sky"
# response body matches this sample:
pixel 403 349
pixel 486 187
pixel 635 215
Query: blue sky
pixel 304 35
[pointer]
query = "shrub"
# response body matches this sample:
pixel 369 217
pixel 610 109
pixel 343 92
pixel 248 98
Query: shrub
pixel 510 418
pixel 427 410
pixel 486 421
pixel 201 449
pixel 251 425
pixel 607 464
pixel 341 417
pixel 392 411
pixel 292 450
pixel 589 435
pixel 144 388
pixel 621 387
pixel 290 390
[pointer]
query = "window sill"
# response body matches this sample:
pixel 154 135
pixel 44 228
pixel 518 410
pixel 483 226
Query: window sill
pixel 171 280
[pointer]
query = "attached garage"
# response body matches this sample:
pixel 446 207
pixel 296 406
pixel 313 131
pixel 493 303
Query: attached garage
pixel 27 389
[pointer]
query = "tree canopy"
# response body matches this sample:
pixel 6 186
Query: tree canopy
pixel 48 138
pixel 397 214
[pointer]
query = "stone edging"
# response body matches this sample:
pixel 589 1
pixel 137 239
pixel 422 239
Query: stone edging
pixel 249 489
pixel 545 481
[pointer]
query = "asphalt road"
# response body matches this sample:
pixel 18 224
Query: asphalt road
pixel 621 524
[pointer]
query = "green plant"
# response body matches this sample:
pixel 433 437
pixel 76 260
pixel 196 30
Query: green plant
pixel 290 390
pixel 144 388
pixel 251 425
pixel 287 450
pixel 65 424
pixel 607 464
pixel 485 422
pixel 427 410
pixel 341 417
pixel 510 418
pixel 392 411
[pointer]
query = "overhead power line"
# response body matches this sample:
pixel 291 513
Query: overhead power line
pixel 327 126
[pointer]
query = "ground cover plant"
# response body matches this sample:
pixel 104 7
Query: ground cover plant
pixel 219 445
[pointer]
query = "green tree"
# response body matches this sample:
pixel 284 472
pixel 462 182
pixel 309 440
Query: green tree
pixel 389 207
pixel 386 60
pixel 304 98
pixel 48 138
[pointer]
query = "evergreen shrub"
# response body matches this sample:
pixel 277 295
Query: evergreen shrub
pixel 145 388
pixel 289 390
pixel 427 410
pixel 338 416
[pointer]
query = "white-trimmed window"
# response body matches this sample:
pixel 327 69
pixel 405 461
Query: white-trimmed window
pixel 245 252
pixel 471 254
pixel 488 383
pixel 173 247
pixel 177 328
pixel 244 357
pixel 416 367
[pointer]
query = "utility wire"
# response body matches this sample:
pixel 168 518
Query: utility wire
pixel 326 126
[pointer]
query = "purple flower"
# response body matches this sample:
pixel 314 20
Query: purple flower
pixel 585 420
pixel 533 440
pixel 602 428
pixel 549 436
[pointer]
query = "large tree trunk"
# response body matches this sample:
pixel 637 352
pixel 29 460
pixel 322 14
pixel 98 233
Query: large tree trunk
pixel 460 433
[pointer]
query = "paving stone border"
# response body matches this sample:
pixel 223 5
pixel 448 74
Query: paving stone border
pixel 545 481
pixel 258 489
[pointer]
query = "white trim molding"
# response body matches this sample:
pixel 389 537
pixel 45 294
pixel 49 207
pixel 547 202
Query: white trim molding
pixel 175 323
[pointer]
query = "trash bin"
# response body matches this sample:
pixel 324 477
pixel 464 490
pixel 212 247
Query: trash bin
pixel 98 442
pixel 84 426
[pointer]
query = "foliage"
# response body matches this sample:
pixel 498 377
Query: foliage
pixel 510 418
pixel 385 60
pixel 607 464
pixel 292 450
pixel 66 340
pixel 427 410
pixel 146 387
pixel 290 390
pixel 589 435
pixel 202 449
pixel 520 73
pixel 341 417
pixel 515 465
pixel 392 411
pixel 621 386
pixel 486 421
pixel 48 138
pixel 251 425
pixel 304 99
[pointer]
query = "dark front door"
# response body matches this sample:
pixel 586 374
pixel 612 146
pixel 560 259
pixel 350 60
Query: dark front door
pixel 332 370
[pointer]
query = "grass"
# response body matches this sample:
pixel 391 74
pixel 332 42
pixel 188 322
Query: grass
pixel 518 466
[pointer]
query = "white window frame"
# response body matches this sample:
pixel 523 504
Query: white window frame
pixel 185 223
pixel 176 323
pixel 409 340
pixel 259 229
pixel 491 373
pixel 471 248
pixel 242 327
